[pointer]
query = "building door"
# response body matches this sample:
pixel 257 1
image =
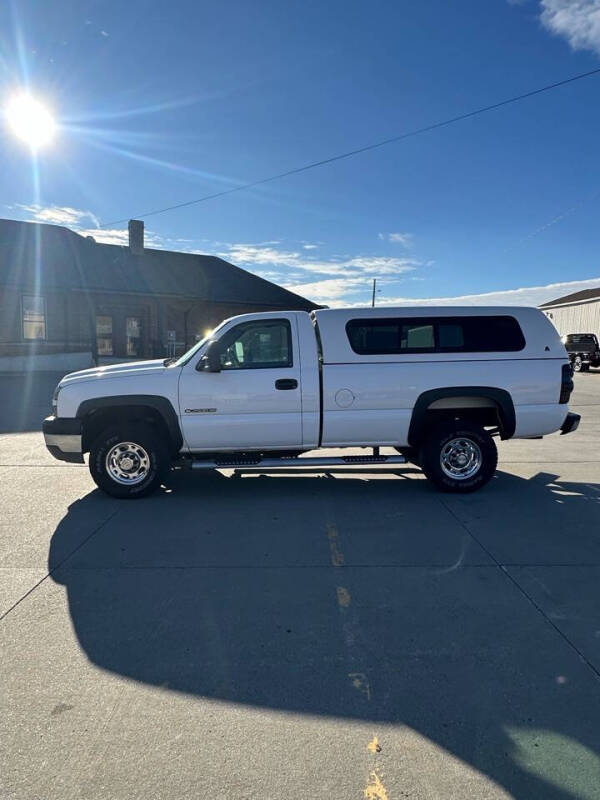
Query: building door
pixel 254 401
pixel 104 335
pixel 133 337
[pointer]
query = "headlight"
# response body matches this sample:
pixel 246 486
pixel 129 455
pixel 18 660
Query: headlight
pixel 55 399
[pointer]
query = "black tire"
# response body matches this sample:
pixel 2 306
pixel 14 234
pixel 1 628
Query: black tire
pixel 480 449
pixel 577 364
pixel 585 368
pixel 152 461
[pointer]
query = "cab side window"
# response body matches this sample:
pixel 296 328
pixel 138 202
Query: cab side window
pixel 263 344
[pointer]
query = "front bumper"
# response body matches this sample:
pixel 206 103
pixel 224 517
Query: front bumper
pixel 63 438
pixel 571 423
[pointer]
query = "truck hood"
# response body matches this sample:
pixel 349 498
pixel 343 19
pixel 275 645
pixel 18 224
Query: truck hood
pixel 115 371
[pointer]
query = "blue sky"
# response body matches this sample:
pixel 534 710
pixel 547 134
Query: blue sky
pixel 160 103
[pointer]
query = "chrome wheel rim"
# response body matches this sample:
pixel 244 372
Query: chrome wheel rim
pixel 460 458
pixel 127 463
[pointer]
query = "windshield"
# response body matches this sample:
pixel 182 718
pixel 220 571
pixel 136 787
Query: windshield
pixel 189 354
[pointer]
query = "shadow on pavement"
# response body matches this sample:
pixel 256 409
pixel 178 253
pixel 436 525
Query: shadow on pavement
pixel 365 599
pixel 26 399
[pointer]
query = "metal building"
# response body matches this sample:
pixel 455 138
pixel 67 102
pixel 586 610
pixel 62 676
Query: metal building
pixel 575 313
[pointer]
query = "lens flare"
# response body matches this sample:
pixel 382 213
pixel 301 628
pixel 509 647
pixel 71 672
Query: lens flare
pixel 30 121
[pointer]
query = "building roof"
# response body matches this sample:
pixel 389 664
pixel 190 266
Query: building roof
pixel 576 297
pixel 68 261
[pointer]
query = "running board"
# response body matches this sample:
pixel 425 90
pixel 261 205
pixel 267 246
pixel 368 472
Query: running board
pixel 293 462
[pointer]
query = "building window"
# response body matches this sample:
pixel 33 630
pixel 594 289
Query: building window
pixel 104 335
pixel 34 317
pixel 134 336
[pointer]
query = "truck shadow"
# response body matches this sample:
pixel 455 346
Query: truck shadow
pixel 375 600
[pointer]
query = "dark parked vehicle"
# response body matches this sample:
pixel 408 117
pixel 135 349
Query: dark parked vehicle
pixel 583 350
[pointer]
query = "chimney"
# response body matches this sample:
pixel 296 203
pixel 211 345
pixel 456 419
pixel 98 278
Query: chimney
pixel 136 236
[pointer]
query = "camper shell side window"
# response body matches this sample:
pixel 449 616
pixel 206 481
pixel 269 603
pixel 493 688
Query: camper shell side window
pixel 468 334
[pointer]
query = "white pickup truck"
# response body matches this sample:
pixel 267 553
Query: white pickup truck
pixel 435 384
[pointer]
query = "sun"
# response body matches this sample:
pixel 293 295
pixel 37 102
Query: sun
pixel 30 121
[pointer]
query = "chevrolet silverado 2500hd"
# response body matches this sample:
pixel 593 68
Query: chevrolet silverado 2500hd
pixel 436 384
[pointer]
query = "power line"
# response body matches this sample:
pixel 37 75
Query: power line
pixel 366 148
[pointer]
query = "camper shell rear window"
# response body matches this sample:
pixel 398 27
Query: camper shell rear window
pixel 469 334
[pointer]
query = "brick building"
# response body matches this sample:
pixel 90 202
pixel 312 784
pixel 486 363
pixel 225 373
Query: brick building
pixel 67 301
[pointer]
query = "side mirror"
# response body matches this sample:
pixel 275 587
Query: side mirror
pixel 211 360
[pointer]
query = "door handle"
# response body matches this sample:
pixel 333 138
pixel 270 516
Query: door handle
pixel 286 383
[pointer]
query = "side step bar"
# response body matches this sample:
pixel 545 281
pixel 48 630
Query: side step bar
pixel 290 463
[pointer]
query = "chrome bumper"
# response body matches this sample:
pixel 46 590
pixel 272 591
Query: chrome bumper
pixel 63 438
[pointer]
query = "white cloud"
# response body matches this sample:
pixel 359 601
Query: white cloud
pixel 58 215
pixel 259 254
pixel 577 20
pixel 107 235
pixel 405 239
pixel 264 254
pixel 78 220
pixel 309 246
pixel 525 296
pixel 330 291
pixel 336 280
pixel 381 265
pixel 120 236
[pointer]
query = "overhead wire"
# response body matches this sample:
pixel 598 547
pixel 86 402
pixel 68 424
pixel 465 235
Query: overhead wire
pixel 359 150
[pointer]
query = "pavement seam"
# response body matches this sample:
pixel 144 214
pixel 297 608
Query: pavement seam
pixel 46 466
pixel 521 589
pixel 96 567
pixel 58 566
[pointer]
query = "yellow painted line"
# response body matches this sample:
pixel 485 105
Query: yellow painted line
pixel 374 746
pixel 375 789
pixel 343 597
pixel 337 557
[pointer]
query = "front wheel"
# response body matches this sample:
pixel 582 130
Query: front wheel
pixel 459 457
pixel 129 462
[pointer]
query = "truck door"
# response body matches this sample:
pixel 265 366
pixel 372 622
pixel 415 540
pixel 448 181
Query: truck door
pixel 255 400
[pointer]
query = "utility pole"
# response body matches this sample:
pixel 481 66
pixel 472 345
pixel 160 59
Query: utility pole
pixel 374 288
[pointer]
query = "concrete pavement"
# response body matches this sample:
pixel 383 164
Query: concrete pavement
pixel 342 636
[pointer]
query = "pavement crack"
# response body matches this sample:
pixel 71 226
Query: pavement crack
pixel 58 566
pixel 523 591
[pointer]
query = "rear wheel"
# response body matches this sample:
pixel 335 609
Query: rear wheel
pixel 459 456
pixel 129 462
pixel 577 364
